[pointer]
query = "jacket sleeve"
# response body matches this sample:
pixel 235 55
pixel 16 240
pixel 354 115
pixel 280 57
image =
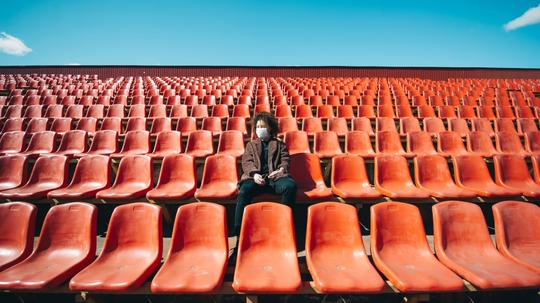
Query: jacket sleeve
pixel 284 155
pixel 248 161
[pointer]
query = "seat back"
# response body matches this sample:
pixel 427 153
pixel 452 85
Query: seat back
pixel 50 169
pixel 220 168
pixel 135 169
pixel 93 169
pixel 306 170
pixel 178 168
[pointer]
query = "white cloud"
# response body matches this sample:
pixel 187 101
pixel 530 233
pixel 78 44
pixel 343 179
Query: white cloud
pixel 13 45
pixel 530 17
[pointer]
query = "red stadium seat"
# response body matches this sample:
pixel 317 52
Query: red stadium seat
pixel 105 142
pixel 186 125
pixel 517 226
pixel 349 178
pixel 197 257
pixel 11 142
pixel 116 110
pixel 53 111
pixel 199 144
pixel 483 125
pixel 326 144
pixel 392 178
pixel 388 142
pixel 238 124
pixel 220 178
pixel 346 111
pixel 434 125
pixel 61 125
pixel 458 125
pixel 527 125
pixel 287 125
pixel 88 125
pixel 36 125
pixel 338 126
pixel 334 225
pixel 136 142
pixel 451 144
pixel 283 111
pixel 177 179
pixel 212 124
pixel 66 245
pixel 305 169
pixel 358 143
pixel 95 111
pixel 400 250
pixel 505 125
pixel 386 124
pixel 135 124
pixel 13 171
pixel 420 144
pixel 74 111
pixel 511 171
pixel 325 111
pixel 362 124
pixel 366 111
pixel 17 224
pixel 134 179
pixel 40 143
pixel 48 173
pixel 509 143
pixel 431 174
pixel 178 111
pixel 532 142
pixel 131 253
pixel 33 111
pixel 157 111
pixel 471 172
pixel 199 111
pixel 92 174
pixel 231 143
pixel 73 142
pixel 408 125
pixel 267 261
pixel 12 125
pixel 159 125
pixel 297 142
pixel 462 243
pixel 479 142
pixel 167 143
pixel 312 125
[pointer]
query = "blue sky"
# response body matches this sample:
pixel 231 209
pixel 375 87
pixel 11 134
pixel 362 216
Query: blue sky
pixel 305 33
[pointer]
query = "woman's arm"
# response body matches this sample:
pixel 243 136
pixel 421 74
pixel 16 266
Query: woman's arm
pixel 284 156
pixel 248 161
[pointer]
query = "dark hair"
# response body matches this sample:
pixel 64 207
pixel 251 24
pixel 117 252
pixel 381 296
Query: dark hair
pixel 269 119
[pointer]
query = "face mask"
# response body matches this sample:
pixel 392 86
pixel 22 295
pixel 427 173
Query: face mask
pixel 262 133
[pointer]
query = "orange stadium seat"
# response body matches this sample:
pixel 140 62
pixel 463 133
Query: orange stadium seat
pixel 18 221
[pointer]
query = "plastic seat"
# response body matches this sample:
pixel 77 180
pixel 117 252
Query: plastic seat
pixel 89 125
pixel 404 111
pixel 346 111
pixel 431 174
pixel 338 126
pixel 335 253
pixel 408 125
pixel 17 224
pixel 483 125
pixel 92 174
pixel 462 242
pixel 312 125
pixel 358 143
pixel 362 124
pixel 197 257
pixel 199 111
pixel 527 125
pixel 471 172
pixel 385 111
pixel 167 143
pixel 231 143
pixel 73 142
pixel 40 143
pixel 131 252
pixel 467 112
pixel 392 178
pixel 199 144
pixel 367 111
pixel 136 142
pixel 297 142
pixel 178 111
pixel 434 125
pixel 517 230
pixel 134 179
pixel 95 111
pixel 74 111
pixel 36 125
pixel 446 111
pixel 386 124
pixel 425 111
pixel 220 178
pixel 505 125
pixel 177 179
pixel 326 144
pixel 238 124
pixel 505 112
pixel 509 142
pixel 305 169
pixel 12 142
pixel 325 111
pixel 116 111
pixel 220 111
pixel 157 111
pixel 486 112
pixel 349 178
pixel 532 142
pixel 13 171
pixel 159 125
pixel 12 124
pixel 33 111
pixel 451 144
pixel 458 125
pixel 61 125
pixel 400 250
pixel 480 143
pixel 286 125
pixel 54 111
pixel 66 245
pixel 266 261
pixel 212 124
pixel 388 142
pixel 105 142
pixel 186 125
pixel 511 171
pixel 241 110
pixel 112 123
pixel 420 144
pixel 136 124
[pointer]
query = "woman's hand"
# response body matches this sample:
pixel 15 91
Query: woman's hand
pixel 275 172
pixel 259 179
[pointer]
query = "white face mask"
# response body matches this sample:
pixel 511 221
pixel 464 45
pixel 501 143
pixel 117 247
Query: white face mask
pixel 262 133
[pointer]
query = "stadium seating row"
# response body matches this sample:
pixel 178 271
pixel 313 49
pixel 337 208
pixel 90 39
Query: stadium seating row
pixel 267 256
pixel 177 181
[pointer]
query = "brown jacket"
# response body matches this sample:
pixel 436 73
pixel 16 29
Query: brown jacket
pixel 278 157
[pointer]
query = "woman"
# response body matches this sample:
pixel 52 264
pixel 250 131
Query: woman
pixel 265 166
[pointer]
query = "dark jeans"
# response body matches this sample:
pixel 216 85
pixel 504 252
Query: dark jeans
pixel 285 186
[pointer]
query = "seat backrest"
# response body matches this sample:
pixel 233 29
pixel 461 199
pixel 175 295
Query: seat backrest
pixel 220 168
pixel 358 142
pixel 450 142
pixel 409 124
pixel 17 224
pixel 470 168
pixel 312 125
pixel 326 140
pixel 431 169
pixel 186 125
pixel 395 224
pixel 420 142
pixel 168 141
pixel 335 225
pixel 179 168
pixel 87 124
pixel 41 141
pixel 200 140
pixel 434 125
pixel 478 141
pixel 511 167
pixel 13 169
pixel 161 124
pixel 135 169
pixel 349 168
pixel 386 124
pixel 231 139
pixel 50 169
pixel 93 169
pixel 135 226
pixel 135 140
pixel 388 142
pixel 200 225
pixel 136 123
pixel 105 139
pixel 73 139
pixel 391 168
pixel 297 141
pixel 516 224
pixel 306 170
pixel 362 124
pixel 70 226
pixel 12 141
pixel 112 123
pixel 509 142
